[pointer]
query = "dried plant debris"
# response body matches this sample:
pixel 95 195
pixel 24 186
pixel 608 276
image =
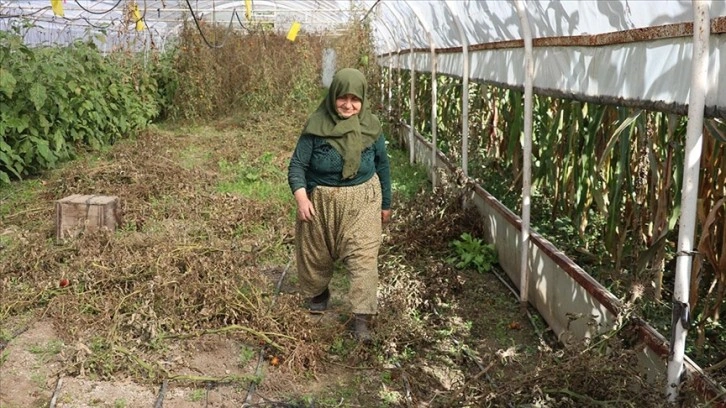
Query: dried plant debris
pixel 192 271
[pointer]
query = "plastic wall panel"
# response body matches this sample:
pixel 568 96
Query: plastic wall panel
pixel 569 307
pixel 652 74
pixel 553 292
pixel 494 21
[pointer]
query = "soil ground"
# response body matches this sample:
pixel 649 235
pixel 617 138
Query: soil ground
pixel 192 302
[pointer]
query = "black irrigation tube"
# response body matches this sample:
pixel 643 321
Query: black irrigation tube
pixel 252 387
pixel 516 295
pixel 13 335
pixel 261 357
pixel 160 398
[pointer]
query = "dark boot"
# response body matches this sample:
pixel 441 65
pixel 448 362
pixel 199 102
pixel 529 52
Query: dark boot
pixel 361 331
pixel 319 303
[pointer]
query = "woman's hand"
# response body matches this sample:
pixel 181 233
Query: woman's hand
pixel 305 210
pixel 385 216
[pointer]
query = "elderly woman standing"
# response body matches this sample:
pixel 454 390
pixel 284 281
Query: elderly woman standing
pixel 340 177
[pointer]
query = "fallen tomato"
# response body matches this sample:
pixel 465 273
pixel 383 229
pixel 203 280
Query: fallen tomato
pixel 63 283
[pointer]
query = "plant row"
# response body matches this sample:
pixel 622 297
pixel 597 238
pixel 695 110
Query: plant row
pixel 55 101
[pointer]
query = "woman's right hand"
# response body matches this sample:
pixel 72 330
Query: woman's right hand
pixel 305 209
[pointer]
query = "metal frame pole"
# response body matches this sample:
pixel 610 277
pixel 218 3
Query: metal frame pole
pixel 526 150
pixel 465 91
pixel 689 195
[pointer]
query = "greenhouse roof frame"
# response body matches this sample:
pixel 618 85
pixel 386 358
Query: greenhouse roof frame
pixel 632 53
pixel 162 19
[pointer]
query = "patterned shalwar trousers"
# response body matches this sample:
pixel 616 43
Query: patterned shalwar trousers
pixel 347 226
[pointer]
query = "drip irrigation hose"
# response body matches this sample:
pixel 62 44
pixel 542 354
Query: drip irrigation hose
pixel 89 11
pixel 516 295
pixel 201 32
pixel 261 357
pixel 162 393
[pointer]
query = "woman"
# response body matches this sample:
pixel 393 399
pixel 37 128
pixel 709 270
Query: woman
pixel 340 177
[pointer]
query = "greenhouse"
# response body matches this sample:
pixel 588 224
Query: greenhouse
pixel 557 232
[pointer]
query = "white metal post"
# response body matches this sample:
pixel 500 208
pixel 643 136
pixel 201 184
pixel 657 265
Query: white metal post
pixel 465 91
pixel 390 85
pixel 412 103
pixel 434 96
pixel 434 114
pixel 413 79
pixel 689 195
pixel 526 150
pixel 390 70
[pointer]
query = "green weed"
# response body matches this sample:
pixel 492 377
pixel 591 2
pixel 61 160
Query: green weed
pixel 246 354
pixel 38 379
pixel 47 350
pixel 197 395
pixel 470 252
pixel 260 181
pixel 406 179
pixel 3 357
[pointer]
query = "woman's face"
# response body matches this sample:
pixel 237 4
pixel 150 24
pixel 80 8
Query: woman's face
pixel 348 105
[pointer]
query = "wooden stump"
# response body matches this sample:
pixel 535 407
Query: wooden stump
pixel 77 213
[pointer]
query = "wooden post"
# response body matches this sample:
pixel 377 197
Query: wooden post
pixel 77 213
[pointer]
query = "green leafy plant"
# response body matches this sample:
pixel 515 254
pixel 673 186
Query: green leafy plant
pixel 471 252
pixel 197 395
pixel 55 101
pixel 246 354
pixel 3 357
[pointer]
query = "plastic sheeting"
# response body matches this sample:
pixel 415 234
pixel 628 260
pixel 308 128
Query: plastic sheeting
pixel 162 18
pixel 629 52
pixel 626 52
pixel 497 21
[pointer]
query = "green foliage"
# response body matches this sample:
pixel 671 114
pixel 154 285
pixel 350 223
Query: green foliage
pixel 54 100
pixel 470 252
pixel 259 179
pixel 3 357
pixel 50 348
pixel 246 354
pixel 197 395
pixel 407 179
pixel 167 81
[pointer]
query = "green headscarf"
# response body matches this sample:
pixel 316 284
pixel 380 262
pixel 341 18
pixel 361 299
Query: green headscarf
pixel 348 136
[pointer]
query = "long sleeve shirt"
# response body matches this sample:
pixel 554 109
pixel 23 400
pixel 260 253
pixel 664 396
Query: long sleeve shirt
pixel 316 163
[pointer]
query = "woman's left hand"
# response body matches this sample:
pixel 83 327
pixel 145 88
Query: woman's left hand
pixel 385 216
